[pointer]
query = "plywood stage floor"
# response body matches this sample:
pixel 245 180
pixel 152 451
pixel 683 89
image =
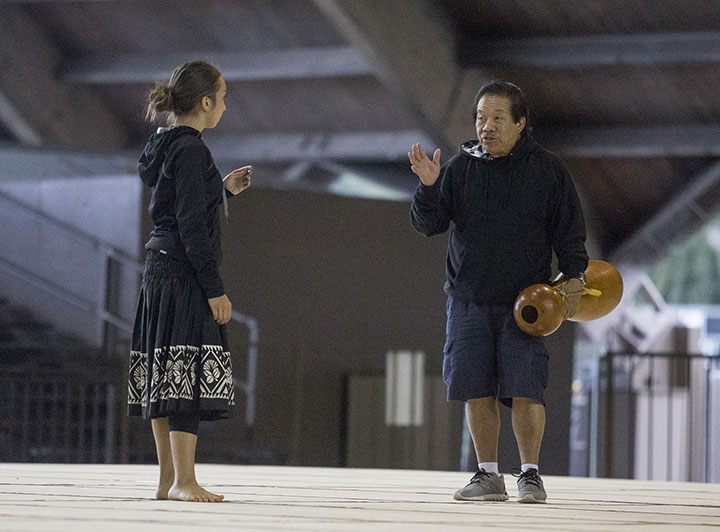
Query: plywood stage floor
pixel 57 497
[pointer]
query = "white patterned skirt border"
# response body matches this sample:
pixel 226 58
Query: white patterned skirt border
pixel 182 378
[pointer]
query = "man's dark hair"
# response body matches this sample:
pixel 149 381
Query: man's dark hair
pixel 518 104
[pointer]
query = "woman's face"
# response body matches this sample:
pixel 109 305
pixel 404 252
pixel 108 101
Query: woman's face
pixel 218 106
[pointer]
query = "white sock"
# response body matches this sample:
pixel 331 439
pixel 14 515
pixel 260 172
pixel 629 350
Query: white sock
pixel 489 467
pixel 525 467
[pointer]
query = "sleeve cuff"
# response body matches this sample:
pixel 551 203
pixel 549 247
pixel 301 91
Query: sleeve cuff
pixel 430 193
pixel 213 287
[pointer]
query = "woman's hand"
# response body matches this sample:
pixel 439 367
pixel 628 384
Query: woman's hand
pixel 238 180
pixel 221 309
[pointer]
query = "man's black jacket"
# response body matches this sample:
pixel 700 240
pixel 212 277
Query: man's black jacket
pixel 508 215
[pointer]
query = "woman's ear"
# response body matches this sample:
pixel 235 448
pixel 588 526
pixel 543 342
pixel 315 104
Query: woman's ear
pixel 206 103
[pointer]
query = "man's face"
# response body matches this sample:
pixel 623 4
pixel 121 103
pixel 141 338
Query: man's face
pixel 494 125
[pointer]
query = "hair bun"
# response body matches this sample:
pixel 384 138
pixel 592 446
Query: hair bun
pixel 161 97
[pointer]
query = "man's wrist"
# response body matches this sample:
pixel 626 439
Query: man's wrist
pixel 581 277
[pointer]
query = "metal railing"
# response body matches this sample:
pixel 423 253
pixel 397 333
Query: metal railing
pixel 59 410
pixel 68 267
pixel 648 416
pixel 247 386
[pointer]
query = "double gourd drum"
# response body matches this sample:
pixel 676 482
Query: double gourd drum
pixel 540 309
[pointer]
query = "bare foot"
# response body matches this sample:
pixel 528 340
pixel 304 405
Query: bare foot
pixel 192 493
pixel 161 494
pixel 164 482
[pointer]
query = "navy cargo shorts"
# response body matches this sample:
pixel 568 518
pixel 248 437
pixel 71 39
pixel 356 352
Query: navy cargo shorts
pixel 487 355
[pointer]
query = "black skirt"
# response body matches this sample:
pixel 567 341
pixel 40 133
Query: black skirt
pixel 179 362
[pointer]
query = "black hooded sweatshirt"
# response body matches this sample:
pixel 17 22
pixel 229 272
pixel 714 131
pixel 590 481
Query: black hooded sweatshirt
pixel 187 191
pixel 508 215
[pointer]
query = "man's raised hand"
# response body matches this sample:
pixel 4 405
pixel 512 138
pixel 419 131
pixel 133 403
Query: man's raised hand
pixel 428 171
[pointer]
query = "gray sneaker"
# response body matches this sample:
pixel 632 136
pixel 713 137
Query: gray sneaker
pixel 530 487
pixel 483 486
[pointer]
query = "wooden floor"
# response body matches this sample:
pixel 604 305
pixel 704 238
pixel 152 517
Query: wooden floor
pixel 56 497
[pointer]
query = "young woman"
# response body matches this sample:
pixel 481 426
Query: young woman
pixel 180 369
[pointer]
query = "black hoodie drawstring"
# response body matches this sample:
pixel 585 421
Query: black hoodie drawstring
pixel 466 186
pixel 511 177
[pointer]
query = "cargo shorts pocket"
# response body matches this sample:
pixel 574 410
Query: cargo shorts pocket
pixel 448 365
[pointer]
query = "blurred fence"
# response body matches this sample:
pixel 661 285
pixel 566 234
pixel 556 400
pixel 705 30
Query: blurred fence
pixel 57 410
pixel 647 416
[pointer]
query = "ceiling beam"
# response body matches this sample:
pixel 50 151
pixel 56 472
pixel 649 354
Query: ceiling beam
pixel 293 63
pixel 696 205
pixel 17 163
pixel 391 183
pixel 326 148
pixel 592 50
pixel 358 146
pixel 348 178
pixel 689 140
pixel 34 106
pixel 17 125
pixel 229 151
pixel 680 140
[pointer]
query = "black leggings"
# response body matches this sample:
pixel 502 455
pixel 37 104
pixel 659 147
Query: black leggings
pixel 184 422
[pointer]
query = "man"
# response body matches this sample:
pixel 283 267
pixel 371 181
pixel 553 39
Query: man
pixel 510 204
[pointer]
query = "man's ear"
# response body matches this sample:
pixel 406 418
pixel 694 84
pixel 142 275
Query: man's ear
pixel 522 122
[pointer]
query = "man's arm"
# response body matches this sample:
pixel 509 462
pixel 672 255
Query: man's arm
pixel 569 240
pixel 568 236
pixel 430 212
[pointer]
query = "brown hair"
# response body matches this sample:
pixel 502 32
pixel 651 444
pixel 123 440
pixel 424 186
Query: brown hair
pixel 189 83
